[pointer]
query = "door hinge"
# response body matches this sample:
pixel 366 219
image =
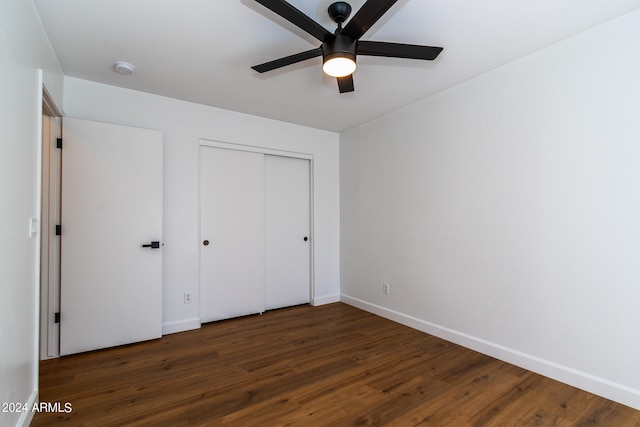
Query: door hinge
pixel 56 317
pixel 58 230
pixel 59 143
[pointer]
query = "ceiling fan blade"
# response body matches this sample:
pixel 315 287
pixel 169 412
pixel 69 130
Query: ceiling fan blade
pixel 345 84
pixel 288 60
pixel 299 19
pixel 366 16
pixel 398 50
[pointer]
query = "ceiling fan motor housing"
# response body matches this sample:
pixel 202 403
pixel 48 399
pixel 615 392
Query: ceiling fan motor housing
pixel 339 46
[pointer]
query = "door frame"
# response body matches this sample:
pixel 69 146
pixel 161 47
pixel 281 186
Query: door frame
pixel 203 142
pixel 49 290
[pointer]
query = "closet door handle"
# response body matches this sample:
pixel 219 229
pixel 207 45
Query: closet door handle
pixel 305 238
pixel 206 243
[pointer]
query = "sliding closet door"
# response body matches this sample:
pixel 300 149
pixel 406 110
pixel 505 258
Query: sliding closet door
pixel 232 233
pixel 287 240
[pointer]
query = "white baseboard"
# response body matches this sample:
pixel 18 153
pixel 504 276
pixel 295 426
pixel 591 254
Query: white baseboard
pixel 582 380
pixel 180 326
pixel 325 299
pixel 27 416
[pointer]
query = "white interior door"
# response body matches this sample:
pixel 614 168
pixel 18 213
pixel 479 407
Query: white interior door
pixel 111 286
pixel 232 233
pixel 287 250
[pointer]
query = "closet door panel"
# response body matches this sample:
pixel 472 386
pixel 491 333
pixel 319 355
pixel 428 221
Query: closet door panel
pixel 287 222
pixel 232 224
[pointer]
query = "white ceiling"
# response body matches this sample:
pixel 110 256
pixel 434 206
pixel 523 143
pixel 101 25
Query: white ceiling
pixel 202 50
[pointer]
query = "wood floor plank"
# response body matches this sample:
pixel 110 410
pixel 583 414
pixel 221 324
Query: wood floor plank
pixel 332 365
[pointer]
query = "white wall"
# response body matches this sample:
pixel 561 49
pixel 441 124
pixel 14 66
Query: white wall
pixel 24 50
pixel 505 212
pixel 182 125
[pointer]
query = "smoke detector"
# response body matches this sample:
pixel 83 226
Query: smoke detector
pixel 124 68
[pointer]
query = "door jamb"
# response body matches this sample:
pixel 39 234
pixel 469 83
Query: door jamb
pixel 49 248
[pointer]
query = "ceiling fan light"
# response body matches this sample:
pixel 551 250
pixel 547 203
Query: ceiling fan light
pixel 339 66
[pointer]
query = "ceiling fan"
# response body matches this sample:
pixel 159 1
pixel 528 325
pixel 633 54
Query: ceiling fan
pixel 340 49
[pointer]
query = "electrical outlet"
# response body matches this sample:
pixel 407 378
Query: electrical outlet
pixel 385 288
pixel 187 297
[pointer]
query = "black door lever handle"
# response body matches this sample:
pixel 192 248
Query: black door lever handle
pixel 152 245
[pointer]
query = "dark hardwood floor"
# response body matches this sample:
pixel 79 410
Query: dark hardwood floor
pixel 310 366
